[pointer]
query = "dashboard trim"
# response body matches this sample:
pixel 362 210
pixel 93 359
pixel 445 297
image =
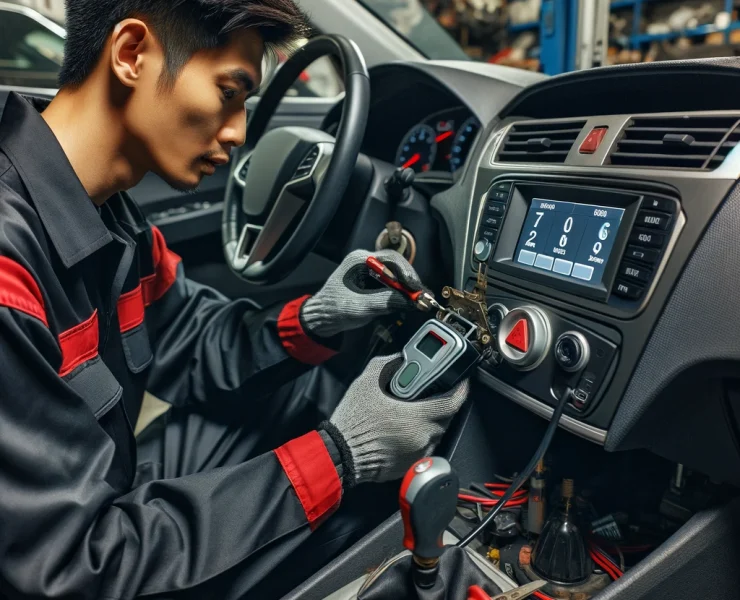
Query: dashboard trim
pixel 588 432
pixel 593 164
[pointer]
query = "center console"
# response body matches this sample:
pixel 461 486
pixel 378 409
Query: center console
pixel 604 244
pixel 585 255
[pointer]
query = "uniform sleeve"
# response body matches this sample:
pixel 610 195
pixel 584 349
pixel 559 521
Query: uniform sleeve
pixel 208 348
pixel 66 532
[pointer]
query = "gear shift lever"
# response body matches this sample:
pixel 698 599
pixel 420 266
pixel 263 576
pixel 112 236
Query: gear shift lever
pixel 428 500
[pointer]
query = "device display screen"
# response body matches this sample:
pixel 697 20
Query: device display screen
pixel 569 239
pixel 430 345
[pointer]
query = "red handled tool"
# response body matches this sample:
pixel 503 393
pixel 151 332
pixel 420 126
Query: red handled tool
pixel 475 592
pixel 422 299
pixel 428 502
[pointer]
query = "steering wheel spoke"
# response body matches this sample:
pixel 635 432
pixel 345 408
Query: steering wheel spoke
pixel 241 170
pixel 288 182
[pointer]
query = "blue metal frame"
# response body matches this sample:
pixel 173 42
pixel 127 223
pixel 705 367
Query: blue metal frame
pixel 555 46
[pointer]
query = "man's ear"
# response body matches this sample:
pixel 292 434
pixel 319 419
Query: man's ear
pixel 130 43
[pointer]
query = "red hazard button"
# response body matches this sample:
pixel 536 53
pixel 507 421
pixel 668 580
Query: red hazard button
pixel 519 336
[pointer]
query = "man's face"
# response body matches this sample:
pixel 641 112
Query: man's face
pixel 190 127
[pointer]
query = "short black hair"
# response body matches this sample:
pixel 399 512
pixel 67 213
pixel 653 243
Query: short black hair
pixel 183 27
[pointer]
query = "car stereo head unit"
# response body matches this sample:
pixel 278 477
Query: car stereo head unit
pixel 599 243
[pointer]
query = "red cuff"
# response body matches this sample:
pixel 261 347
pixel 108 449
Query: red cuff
pixel 295 340
pixel 312 473
pixel 154 286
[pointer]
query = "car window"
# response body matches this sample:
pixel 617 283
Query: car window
pixel 320 80
pixel 30 54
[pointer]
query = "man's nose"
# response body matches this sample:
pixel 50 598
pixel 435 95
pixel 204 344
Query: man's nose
pixel 234 132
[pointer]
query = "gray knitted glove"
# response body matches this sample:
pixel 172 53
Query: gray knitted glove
pixel 379 436
pixel 351 298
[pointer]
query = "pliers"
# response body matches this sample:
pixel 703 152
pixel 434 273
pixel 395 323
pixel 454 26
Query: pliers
pixel 422 299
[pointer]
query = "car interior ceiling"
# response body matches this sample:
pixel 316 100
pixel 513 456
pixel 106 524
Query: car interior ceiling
pixel 595 216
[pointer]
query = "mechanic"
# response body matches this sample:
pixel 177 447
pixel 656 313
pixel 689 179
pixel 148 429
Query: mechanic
pixel 94 309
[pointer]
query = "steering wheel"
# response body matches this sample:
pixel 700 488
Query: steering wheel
pixel 286 185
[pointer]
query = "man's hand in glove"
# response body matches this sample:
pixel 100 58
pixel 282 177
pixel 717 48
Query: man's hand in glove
pixel 351 298
pixel 379 436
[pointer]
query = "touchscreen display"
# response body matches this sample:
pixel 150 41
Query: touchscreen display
pixel 572 240
pixel 430 345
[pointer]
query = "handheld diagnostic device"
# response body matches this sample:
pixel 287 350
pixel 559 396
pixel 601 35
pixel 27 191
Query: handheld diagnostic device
pixel 436 358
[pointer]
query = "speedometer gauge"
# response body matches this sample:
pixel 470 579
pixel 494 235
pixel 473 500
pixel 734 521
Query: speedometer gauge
pixel 463 142
pixel 418 149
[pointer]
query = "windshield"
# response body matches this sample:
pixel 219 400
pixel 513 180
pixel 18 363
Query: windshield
pixel 410 20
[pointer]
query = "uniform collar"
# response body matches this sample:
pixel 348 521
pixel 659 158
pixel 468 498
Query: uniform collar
pixel 68 214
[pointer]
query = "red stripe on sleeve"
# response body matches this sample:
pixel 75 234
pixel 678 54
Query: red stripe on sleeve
pixel 311 471
pixel 294 338
pixel 165 269
pixel 19 290
pixel 79 344
pixel 131 309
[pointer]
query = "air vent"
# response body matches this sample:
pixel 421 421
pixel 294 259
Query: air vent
pixel 689 142
pixel 542 142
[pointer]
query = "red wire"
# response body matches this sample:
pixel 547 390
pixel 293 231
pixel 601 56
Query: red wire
pixel 541 595
pixel 611 570
pixel 603 555
pixel 488 502
pixel 497 489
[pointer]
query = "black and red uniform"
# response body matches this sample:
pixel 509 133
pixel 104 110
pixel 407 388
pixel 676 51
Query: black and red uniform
pixel 94 310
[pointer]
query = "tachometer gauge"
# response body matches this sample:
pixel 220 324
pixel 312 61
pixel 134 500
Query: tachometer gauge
pixel 463 142
pixel 418 149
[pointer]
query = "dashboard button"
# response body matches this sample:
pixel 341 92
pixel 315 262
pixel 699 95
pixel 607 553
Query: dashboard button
pixel 653 220
pixel 492 221
pixel 593 140
pixel 648 238
pixel 636 272
pixel 661 204
pixel 646 255
pixel 524 337
pixel 503 185
pixel 489 234
pixel 496 208
pixel 498 195
pixel 482 250
pixel 628 290
pixel 408 375
pixel 519 336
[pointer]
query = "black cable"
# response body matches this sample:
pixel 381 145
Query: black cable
pixel 524 475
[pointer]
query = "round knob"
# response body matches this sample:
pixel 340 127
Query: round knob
pixel 482 250
pixel 572 351
pixel 524 337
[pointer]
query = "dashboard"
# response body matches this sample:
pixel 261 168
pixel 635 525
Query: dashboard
pixel 420 122
pixel 607 200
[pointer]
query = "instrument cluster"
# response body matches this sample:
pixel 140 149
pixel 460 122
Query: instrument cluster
pixel 439 143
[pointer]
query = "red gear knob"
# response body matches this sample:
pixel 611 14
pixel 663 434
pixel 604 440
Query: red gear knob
pixel 428 501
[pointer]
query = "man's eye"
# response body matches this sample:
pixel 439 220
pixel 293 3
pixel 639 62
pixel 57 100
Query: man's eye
pixel 229 94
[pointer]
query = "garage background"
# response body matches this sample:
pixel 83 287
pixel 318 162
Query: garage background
pixel 556 36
